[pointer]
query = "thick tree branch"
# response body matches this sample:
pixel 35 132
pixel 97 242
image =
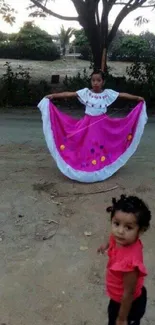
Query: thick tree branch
pixel 97 13
pixel 50 12
pixel 123 13
pixel 145 6
pixel 137 3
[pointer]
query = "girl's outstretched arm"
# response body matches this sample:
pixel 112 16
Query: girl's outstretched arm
pixel 66 94
pixel 131 97
pixel 130 281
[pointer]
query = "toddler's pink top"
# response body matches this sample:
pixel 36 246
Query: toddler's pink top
pixel 124 259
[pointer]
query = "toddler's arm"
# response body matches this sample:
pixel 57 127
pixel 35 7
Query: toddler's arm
pixel 102 249
pixel 130 281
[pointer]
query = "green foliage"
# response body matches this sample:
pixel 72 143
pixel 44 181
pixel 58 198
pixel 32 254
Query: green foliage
pixel 125 47
pixel 64 37
pixel 143 74
pixel 81 41
pixel 132 47
pixel 94 19
pixel 138 83
pixel 7 12
pixel 81 80
pixel 16 89
pixel 30 43
pixel 4 37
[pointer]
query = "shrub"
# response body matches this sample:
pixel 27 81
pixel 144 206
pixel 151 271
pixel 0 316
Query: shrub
pixel 145 88
pixel 15 50
pixel 143 76
pixel 81 80
pixel 16 89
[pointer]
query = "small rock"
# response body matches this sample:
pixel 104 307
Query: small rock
pixel 83 248
pixel 87 233
pixel 1 239
pixel 59 306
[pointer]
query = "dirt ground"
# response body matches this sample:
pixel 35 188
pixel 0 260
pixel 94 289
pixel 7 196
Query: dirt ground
pixel 44 69
pixel 50 273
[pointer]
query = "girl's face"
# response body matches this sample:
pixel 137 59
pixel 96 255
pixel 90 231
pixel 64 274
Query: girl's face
pixel 125 228
pixel 97 82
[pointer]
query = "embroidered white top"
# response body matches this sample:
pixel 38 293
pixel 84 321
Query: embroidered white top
pixel 96 103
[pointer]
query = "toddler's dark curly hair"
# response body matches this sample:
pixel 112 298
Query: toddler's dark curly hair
pixel 132 204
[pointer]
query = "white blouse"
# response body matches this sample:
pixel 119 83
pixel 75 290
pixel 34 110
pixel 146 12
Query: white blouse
pixel 96 103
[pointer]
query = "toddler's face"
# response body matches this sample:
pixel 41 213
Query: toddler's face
pixel 125 228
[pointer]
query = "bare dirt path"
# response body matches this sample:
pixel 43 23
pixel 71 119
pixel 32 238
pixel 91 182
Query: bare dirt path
pixel 46 278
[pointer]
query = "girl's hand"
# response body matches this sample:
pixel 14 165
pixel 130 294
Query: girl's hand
pixel 121 322
pixel 51 96
pixel 102 249
pixel 140 99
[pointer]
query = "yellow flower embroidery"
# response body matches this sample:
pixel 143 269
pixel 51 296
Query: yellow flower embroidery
pixel 103 158
pixel 62 147
pixel 94 162
pixel 129 137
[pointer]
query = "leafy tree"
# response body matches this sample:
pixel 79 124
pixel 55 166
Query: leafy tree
pixel 96 26
pixel 133 48
pixel 6 12
pixel 80 38
pixel 30 43
pixel 82 43
pixel 64 37
pixel 4 37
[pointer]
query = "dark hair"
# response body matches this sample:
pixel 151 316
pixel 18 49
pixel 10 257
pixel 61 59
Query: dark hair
pixel 132 204
pixel 100 72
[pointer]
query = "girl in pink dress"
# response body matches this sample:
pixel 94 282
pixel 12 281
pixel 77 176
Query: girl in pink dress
pixel 94 147
pixel 130 217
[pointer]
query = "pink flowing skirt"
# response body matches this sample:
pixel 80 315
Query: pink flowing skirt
pixel 92 148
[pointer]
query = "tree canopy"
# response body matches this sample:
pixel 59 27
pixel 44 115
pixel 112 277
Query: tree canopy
pixel 96 25
pixel 29 43
pixel 64 37
pixel 7 12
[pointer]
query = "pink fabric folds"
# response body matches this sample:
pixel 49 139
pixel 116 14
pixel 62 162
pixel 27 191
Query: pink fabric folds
pixel 93 142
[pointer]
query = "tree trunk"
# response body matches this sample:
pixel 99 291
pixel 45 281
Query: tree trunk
pixel 94 40
pixel 104 35
pixel 97 56
pixel 104 60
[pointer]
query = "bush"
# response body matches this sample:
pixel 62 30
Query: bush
pixel 86 53
pixel 143 76
pixel 29 43
pixel 16 89
pixel 145 88
pixel 14 50
pixel 77 82
pixel 131 48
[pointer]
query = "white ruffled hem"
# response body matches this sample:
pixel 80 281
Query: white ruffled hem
pixel 81 176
